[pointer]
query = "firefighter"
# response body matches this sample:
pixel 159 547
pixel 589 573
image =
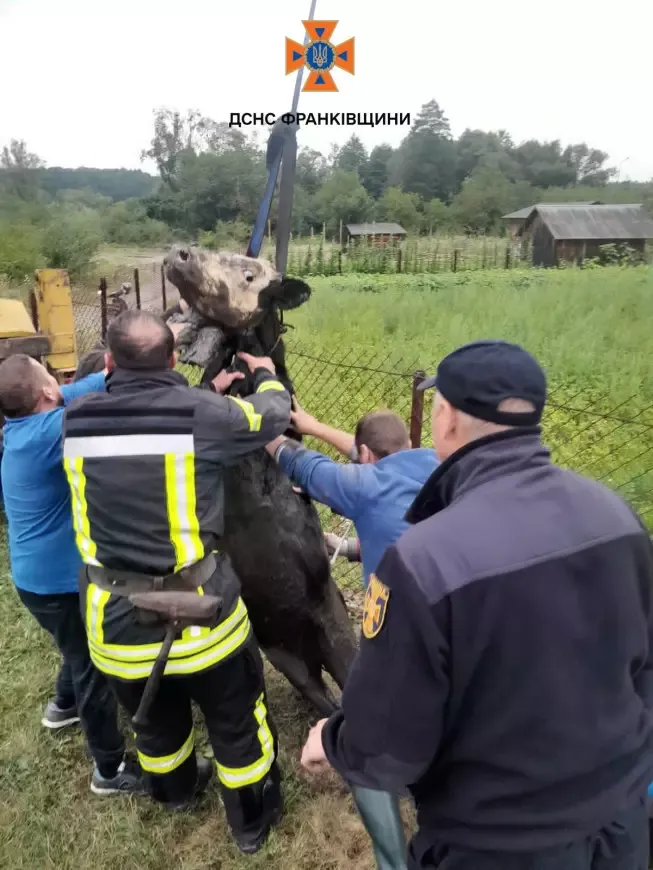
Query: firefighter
pixel 144 461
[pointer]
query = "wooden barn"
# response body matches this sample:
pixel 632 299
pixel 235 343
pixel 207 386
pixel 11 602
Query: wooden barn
pixel 516 219
pixel 575 233
pixel 376 233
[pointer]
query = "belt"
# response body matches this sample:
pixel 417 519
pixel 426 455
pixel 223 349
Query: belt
pixel 173 599
pixel 126 583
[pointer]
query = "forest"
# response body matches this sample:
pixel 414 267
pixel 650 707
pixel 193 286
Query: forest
pixel 211 177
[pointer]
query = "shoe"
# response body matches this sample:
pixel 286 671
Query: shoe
pixel 204 774
pixel 249 844
pixel 56 717
pixel 128 780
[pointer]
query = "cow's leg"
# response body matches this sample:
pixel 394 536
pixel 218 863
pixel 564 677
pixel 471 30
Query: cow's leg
pixel 298 675
pixel 336 636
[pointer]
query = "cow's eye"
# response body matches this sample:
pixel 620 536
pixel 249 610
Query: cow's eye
pixel 249 276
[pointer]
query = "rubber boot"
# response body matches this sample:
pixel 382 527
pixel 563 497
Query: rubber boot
pixel 379 811
pixel 252 811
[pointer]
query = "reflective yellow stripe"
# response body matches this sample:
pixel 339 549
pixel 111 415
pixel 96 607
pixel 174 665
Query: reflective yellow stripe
pixel 195 631
pixel 190 665
pixel 77 483
pixel 238 777
pixel 167 763
pixel 186 656
pixel 181 506
pixel 95 624
pixel 253 418
pixel 271 385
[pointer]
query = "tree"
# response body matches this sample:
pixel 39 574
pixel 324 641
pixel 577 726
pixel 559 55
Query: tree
pixel 311 169
pixel 542 164
pixel 375 173
pixel 342 198
pixel 479 148
pixel 173 136
pixel 352 157
pixel 436 215
pixel 588 164
pixel 397 206
pixel 20 169
pixel 483 199
pixel 425 162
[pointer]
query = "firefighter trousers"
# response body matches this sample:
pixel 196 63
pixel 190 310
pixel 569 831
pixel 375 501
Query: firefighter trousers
pixel 232 699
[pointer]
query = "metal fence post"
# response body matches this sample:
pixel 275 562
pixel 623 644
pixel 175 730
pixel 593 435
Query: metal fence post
pixel 137 288
pixel 103 308
pixel 163 288
pixel 417 410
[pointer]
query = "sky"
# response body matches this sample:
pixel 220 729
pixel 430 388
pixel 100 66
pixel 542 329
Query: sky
pixel 80 79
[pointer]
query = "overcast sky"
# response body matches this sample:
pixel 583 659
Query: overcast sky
pixel 79 79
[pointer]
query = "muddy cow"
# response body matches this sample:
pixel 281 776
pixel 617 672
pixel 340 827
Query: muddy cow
pixel 230 303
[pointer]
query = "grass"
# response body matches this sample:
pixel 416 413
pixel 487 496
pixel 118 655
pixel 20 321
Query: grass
pixel 50 820
pixel 353 347
pixel 589 326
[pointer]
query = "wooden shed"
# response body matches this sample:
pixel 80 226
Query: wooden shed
pixel 516 219
pixel 376 233
pixel 572 234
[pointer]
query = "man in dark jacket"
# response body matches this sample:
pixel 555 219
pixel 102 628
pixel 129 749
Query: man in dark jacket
pixel 145 466
pixel 505 676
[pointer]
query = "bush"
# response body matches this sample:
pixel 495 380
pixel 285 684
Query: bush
pixel 127 223
pixel 71 242
pixel 20 250
pixel 226 236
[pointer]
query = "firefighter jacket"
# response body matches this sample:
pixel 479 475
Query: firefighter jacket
pixel 144 462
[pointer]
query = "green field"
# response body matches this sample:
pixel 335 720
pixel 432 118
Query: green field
pixel 353 347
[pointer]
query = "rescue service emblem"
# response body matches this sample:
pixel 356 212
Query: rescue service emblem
pixel 376 605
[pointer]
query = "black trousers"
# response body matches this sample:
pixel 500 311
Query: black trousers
pixel 232 699
pixel 78 682
pixel 621 845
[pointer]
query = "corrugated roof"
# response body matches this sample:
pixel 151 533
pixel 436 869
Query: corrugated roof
pixel 596 221
pixel 375 229
pixel 523 213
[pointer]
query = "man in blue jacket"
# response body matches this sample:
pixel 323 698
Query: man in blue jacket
pixel 45 561
pixel 375 491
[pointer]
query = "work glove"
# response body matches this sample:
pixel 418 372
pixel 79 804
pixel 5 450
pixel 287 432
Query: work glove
pixel 350 549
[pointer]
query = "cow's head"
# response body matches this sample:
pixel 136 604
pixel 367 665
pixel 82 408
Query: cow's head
pixel 231 290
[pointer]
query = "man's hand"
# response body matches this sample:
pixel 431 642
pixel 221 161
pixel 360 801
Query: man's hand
pixel 332 542
pixel 273 446
pixel 258 362
pixel 225 379
pixel 302 421
pixel 313 756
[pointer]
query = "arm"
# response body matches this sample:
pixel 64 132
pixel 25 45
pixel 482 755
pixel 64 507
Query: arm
pixel 90 384
pixel 338 486
pixel 389 729
pixel 643 679
pixel 308 425
pixel 229 427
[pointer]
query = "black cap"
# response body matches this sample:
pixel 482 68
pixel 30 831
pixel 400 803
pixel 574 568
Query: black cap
pixel 476 377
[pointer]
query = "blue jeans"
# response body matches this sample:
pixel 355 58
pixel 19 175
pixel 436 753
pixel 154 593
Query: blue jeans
pixel 79 683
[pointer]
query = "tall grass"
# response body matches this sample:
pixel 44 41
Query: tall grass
pixel 591 326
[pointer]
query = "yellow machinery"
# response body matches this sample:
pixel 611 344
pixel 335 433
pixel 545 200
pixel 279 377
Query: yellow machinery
pixel 17 332
pixel 48 334
pixel 53 304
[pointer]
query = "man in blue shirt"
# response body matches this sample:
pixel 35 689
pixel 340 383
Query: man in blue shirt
pixel 45 561
pixel 374 492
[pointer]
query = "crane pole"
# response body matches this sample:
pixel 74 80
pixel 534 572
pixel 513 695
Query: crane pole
pixel 280 149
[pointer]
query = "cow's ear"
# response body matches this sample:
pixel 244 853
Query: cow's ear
pixel 292 294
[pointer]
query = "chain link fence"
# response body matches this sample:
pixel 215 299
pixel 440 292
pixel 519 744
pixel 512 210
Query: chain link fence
pixel 586 431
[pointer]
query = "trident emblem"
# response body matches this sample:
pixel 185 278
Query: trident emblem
pixel 320 55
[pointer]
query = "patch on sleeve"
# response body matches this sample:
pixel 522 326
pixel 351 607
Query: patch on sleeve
pixel 376 605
